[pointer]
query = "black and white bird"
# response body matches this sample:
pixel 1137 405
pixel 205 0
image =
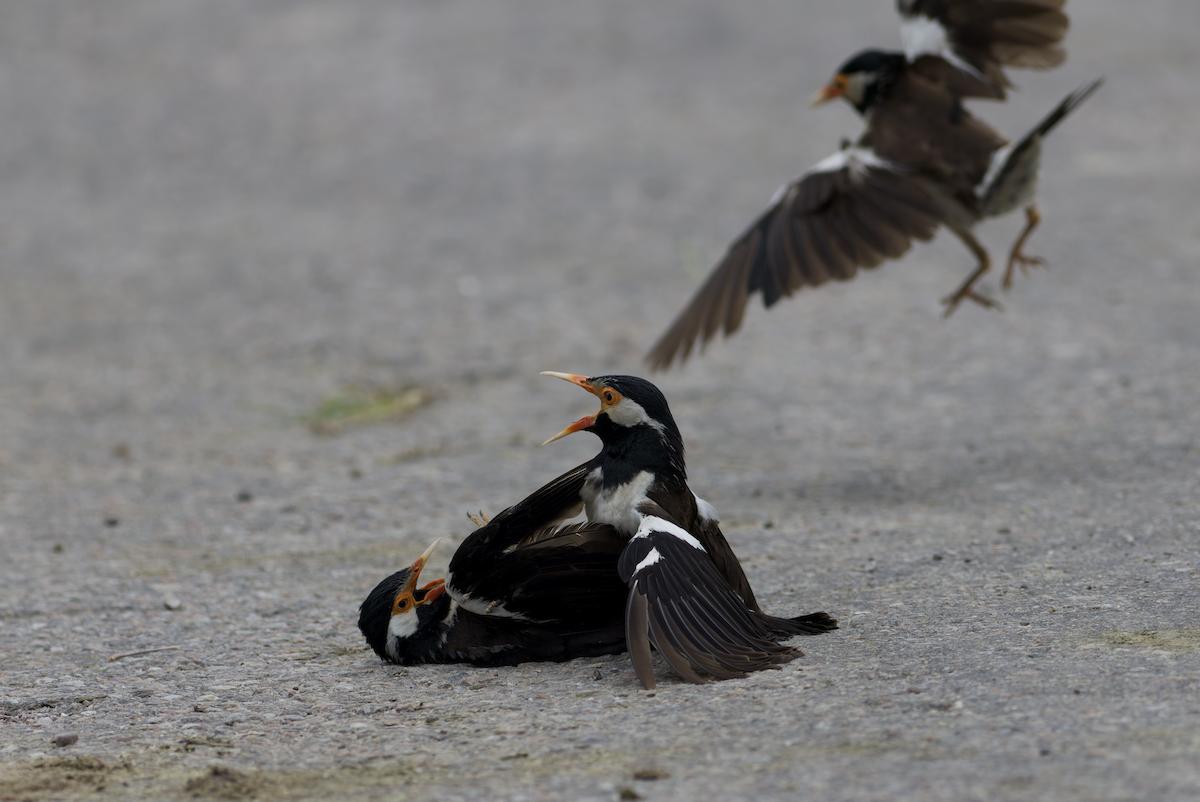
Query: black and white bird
pixel 688 594
pixel 520 588
pixel 922 162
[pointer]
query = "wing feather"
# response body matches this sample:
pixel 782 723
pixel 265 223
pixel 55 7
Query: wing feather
pixel 680 602
pixel 851 211
pixel 965 44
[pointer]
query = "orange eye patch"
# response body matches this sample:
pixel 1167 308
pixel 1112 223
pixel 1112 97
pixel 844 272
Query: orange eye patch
pixel 404 602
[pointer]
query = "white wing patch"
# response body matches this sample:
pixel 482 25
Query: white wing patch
pixel 857 159
pixel 926 36
pixel 647 561
pixel 491 609
pixel 652 523
pixel 478 606
pixel 707 511
pixel 994 168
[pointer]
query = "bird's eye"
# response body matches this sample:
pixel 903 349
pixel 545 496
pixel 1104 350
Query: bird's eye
pixel 609 396
pixel 402 605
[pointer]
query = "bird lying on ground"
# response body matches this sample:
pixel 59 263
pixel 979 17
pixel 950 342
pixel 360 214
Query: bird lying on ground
pixel 520 588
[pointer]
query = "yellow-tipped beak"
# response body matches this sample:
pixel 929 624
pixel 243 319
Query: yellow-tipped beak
pixel 583 423
pixel 830 91
pixel 574 378
pixel 419 564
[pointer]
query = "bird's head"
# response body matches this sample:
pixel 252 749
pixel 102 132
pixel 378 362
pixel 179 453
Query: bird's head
pixel 862 80
pixel 634 419
pixel 397 614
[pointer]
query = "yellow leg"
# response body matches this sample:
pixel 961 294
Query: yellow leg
pixel 1015 258
pixel 967 288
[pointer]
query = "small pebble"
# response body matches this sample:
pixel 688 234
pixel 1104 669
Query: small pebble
pixel 171 603
pixel 66 738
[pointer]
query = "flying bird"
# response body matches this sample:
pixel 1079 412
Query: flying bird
pixel 922 162
pixel 688 594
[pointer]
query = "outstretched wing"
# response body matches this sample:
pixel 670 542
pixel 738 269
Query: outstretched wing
pixel 964 44
pixel 852 210
pixel 679 602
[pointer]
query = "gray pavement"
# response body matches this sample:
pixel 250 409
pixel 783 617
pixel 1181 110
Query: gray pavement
pixel 216 217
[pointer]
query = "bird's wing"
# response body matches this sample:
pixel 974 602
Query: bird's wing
pixel 679 602
pixel 853 209
pixel 965 44
pixel 569 577
pixel 708 532
pixel 526 521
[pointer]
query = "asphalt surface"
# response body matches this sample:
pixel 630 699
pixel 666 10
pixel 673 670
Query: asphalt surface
pixel 221 223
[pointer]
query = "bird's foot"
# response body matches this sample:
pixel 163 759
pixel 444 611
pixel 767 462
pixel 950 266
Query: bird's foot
pixel 952 301
pixel 481 520
pixel 1018 259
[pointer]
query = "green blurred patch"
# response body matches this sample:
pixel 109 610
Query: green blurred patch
pixel 357 406
pixel 1174 640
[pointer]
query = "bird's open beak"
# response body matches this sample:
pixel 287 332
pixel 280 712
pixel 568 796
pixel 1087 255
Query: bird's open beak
pixel 574 378
pixel 415 568
pixel 577 426
pixel 434 589
pixel 830 91
pixel 583 423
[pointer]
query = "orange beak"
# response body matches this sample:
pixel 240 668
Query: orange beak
pixel 830 91
pixel 583 423
pixel 578 426
pixel 434 589
pixel 416 567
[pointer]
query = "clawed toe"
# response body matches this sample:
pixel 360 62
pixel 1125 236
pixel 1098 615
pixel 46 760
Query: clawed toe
pixel 1022 261
pixel 951 302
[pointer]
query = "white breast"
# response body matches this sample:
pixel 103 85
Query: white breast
pixel 616 506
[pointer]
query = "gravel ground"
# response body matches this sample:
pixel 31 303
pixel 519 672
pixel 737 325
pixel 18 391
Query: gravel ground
pixel 224 224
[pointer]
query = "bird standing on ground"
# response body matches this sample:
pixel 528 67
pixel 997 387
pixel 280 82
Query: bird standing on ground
pixel 688 594
pixel 923 162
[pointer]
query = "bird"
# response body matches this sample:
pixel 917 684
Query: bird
pixel 520 588
pixel 922 162
pixel 688 594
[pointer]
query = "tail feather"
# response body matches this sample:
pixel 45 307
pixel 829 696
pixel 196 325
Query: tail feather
pixel 1068 105
pixel 811 624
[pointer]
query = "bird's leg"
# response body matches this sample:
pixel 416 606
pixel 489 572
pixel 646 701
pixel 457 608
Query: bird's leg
pixel 1032 218
pixel 967 288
